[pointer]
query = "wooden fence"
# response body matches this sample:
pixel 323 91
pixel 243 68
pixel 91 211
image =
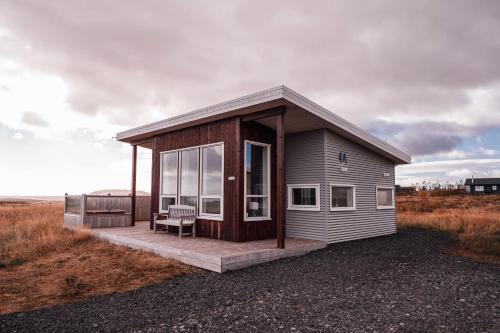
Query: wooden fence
pixel 99 211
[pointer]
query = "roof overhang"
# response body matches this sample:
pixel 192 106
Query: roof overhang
pixel 302 115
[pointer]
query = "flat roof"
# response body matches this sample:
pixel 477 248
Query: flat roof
pixel 302 115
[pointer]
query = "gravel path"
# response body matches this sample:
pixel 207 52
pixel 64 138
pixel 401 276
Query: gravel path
pixel 396 283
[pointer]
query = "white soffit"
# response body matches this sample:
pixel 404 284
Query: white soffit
pixel 260 101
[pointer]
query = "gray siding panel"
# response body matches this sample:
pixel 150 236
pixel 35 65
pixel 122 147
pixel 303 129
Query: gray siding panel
pixel 305 164
pixel 365 170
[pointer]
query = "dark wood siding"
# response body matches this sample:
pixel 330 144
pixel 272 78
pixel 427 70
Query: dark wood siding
pixel 255 230
pixel 226 131
pixel 232 132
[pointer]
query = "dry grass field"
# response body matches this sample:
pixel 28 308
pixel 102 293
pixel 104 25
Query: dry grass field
pixel 42 264
pixel 474 219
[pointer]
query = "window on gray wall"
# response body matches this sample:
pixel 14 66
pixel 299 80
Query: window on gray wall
pixel 342 197
pixel 303 196
pixel 385 197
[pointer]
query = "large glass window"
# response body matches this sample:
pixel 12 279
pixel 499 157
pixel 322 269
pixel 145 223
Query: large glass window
pixel 385 197
pixel 168 180
pixel 211 180
pixel 342 197
pixel 189 177
pixel 303 197
pixel 257 181
pixel 193 177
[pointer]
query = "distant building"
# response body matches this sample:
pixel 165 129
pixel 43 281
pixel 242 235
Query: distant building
pixel 482 185
pixel 405 190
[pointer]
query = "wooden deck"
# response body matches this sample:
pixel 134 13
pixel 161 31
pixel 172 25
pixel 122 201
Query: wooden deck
pixel 211 254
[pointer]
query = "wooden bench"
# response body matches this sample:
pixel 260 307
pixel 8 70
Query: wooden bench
pixel 178 216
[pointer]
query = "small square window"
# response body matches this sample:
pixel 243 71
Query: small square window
pixel 342 197
pixel 385 197
pixel 303 197
pixel 494 187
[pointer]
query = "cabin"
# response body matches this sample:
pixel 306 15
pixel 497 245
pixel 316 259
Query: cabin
pixel 482 185
pixel 269 165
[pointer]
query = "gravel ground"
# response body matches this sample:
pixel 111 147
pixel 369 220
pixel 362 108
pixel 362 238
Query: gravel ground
pixel 397 283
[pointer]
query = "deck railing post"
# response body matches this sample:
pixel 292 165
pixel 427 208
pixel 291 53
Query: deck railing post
pixel 134 178
pixel 280 180
pixel 83 207
pixel 65 203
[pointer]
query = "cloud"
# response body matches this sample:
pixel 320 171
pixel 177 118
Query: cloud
pixel 488 152
pixel 32 118
pixel 447 170
pixel 18 136
pixel 71 163
pixel 163 55
pixel 423 138
pixel 423 75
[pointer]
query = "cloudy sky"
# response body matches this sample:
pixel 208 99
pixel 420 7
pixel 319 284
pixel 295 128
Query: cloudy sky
pixel 424 75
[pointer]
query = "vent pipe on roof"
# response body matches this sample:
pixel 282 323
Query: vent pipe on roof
pixel 472 180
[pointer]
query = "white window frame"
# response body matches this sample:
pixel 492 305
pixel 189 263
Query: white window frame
pixel 493 187
pixel 214 217
pixel 393 197
pixel 479 188
pixel 179 178
pixel 210 196
pixel 169 195
pixel 291 206
pixel 339 209
pixel 260 218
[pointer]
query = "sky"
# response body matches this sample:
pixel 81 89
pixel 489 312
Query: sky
pixel 423 75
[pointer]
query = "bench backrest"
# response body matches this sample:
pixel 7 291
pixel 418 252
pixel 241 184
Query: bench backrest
pixel 182 211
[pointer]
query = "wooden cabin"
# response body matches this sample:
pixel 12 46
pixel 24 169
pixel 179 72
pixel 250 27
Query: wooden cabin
pixel 271 164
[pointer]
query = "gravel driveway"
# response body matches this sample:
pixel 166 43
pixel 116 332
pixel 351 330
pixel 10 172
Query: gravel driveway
pixel 397 283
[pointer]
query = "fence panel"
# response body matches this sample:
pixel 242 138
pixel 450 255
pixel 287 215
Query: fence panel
pixel 73 204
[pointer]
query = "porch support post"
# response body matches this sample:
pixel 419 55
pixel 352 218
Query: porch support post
pixel 238 194
pixel 134 178
pixel 280 180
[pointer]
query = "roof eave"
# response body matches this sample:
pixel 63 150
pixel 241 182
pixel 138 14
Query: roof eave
pixel 205 113
pixel 276 94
